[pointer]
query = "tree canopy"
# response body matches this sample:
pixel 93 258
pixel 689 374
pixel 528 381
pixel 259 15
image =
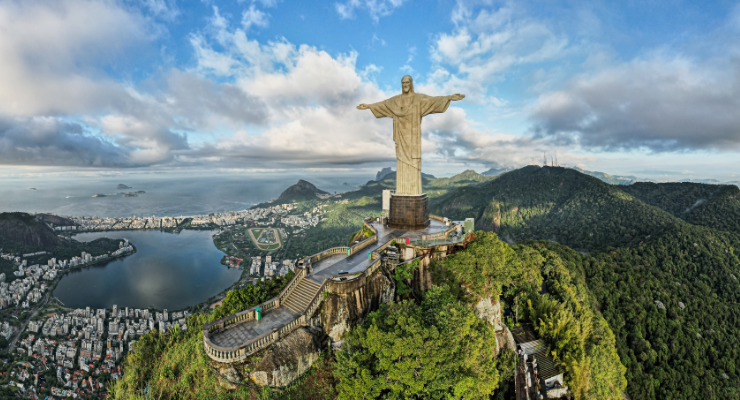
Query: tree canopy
pixel 435 349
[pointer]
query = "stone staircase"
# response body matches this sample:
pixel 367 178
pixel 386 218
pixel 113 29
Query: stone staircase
pixel 298 300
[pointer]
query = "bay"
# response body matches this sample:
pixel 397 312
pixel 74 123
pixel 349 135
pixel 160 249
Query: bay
pixel 168 271
pixel 166 194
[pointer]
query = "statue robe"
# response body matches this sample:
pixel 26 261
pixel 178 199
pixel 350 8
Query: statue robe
pixel 407 111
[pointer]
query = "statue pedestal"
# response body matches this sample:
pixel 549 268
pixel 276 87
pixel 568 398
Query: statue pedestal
pixel 409 211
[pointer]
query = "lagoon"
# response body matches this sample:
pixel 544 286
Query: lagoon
pixel 168 270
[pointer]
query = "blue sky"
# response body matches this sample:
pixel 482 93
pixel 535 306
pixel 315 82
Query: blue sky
pixel 644 88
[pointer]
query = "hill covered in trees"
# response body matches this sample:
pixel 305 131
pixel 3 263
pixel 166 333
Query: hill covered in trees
pixel 583 212
pixel 301 191
pixel 648 305
pixel 22 233
pixel 715 206
pixel 23 230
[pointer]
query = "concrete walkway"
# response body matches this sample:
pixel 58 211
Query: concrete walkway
pixel 322 270
pixel 248 331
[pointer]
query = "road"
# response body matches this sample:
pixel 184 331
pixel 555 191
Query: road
pixel 36 309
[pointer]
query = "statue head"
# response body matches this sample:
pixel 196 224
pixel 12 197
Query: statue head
pixel 407 84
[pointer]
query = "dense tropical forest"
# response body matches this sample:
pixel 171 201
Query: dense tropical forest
pixel 634 288
pixel 434 347
pixel 659 259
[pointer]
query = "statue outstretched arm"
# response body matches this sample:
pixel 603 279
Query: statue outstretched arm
pixel 379 109
pixel 438 104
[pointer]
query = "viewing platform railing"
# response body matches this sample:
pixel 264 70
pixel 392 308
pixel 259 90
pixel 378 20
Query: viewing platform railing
pixel 243 350
pixel 336 284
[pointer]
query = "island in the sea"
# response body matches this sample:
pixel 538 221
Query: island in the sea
pixel 121 186
pixel 100 195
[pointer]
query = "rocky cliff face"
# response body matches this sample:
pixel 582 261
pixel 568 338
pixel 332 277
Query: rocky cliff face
pixel 383 172
pixel 489 311
pixel 287 359
pixel 341 312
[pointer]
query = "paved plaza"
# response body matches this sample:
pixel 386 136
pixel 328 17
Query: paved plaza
pixel 322 270
pixel 248 331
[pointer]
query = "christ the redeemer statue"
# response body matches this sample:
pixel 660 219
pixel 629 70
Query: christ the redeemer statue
pixel 407 109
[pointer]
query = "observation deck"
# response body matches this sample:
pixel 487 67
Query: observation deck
pixel 234 338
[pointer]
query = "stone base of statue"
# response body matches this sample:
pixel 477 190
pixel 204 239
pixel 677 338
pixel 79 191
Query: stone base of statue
pixel 409 211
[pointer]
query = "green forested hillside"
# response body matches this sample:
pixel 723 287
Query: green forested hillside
pixel 715 206
pixel 344 220
pixel 652 307
pixel 648 242
pixel 22 233
pixel 557 204
pixel 690 349
pixel 567 317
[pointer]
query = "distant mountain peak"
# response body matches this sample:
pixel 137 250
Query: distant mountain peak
pixel 383 172
pixel 301 191
pixel 495 171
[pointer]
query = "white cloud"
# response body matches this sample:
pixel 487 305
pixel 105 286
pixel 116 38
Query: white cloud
pixel 376 39
pixel 376 8
pixel 249 104
pixel 57 74
pixel 485 46
pixel 254 17
pixel 661 103
pixel 54 70
pixel 311 97
pixel 165 9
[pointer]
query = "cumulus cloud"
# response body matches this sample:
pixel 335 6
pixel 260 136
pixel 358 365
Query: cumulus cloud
pixel 53 141
pixel 376 8
pixel 59 71
pixel 254 17
pixel 487 42
pixel 311 97
pixel 277 102
pixel 453 138
pixel 54 70
pixel 659 103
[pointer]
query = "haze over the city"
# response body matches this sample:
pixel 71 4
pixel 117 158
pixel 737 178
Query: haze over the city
pixel 109 87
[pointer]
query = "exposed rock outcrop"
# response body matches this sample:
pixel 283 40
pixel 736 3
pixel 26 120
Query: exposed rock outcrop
pixel 287 359
pixel 504 339
pixel 341 312
pixel 228 376
pixel 489 311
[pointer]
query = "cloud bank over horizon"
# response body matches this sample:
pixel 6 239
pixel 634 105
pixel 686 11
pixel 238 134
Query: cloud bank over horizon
pixel 113 84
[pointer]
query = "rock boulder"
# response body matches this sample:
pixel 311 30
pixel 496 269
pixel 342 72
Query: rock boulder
pixel 287 359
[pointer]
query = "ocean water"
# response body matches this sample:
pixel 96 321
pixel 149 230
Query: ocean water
pixel 166 194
